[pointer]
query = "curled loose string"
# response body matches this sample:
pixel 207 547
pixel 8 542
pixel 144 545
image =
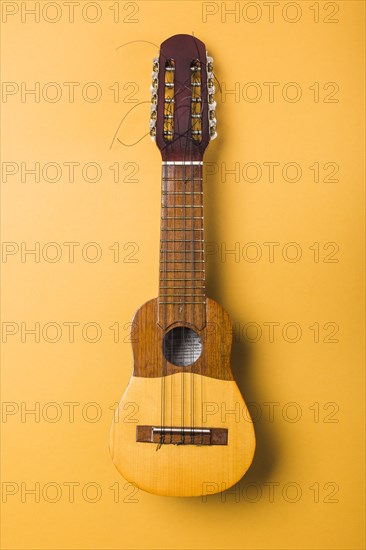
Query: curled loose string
pixel 115 138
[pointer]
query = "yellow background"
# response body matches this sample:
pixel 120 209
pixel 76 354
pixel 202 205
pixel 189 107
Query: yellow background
pixel 308 462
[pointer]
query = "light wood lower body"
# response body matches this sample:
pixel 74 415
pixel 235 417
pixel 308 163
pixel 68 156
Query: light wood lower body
pixel 182 470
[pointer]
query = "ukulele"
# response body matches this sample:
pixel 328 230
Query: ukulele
pixel 182 427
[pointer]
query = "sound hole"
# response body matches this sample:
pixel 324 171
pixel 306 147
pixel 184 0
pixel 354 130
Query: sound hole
pixel 182 346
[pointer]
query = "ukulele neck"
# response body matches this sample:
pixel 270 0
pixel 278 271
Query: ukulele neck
pixel 182 264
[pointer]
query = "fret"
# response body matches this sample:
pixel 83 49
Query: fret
pixel 182 163
pixel 180 303
pixel 183 270
pixel 175 206
pixel 187 287
pixel 181 241
pixel 182 205
pixel 187 280
pixel 187 179
pixel 181 251
pixel 184 261
pixel 200 289
pixel 187 236
pixel 182 218
pixel 182 287
pixel 182 192
pixel 185 187
pixel 180 296
pixel 183 229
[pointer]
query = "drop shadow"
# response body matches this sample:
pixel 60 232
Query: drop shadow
pixel 245 362
pixel 244 367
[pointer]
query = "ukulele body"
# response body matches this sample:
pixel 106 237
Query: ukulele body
pixel 208 442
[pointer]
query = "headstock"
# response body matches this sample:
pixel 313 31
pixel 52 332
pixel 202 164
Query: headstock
pixel 183 115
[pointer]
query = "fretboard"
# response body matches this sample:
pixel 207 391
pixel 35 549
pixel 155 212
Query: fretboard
pixel 182 263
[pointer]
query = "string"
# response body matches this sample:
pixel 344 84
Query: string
pixel 166 203
pixel 183 248
pixel 163 247
pixel 172 347
pixel 174 277
pixel 191 290
pixel 184 331
pixel 203 283
pixel 192 248
pixel 192 244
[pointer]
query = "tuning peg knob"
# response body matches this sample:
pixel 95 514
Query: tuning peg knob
pixel 211 102
pixel 213 133
pixel 209 64
pixel 154 85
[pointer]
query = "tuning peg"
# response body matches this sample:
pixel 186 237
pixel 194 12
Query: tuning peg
pixel 154 86
pixel 212 123
pixel 211 102
pixel 209 64
pixel 211 98
pixel 154 97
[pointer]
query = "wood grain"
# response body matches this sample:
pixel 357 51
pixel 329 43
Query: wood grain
pixel 183 49
pixel 182 470
pixel 216 338
pixel 201 395
pixel 146 434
